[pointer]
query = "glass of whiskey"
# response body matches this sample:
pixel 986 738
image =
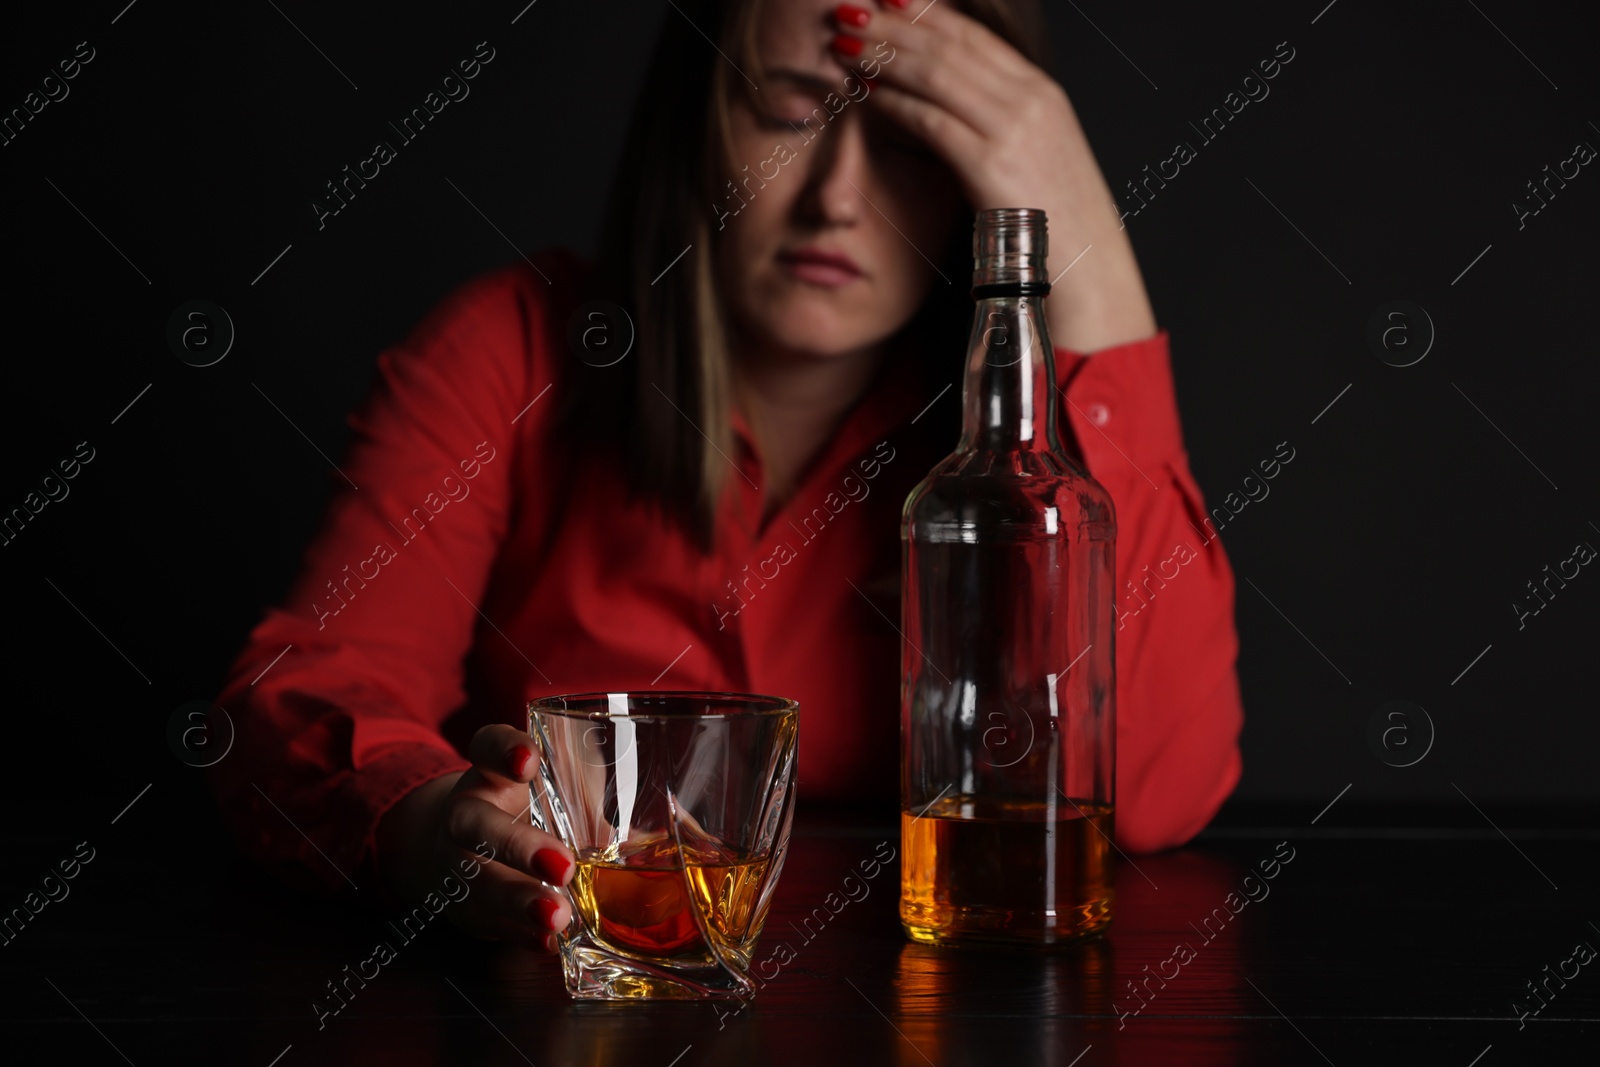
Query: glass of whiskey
pixel 678 807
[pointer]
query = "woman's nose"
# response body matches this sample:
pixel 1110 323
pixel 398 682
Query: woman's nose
pixel 838 176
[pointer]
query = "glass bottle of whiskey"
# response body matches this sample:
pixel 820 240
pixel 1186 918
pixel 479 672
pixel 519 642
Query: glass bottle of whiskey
pixel 1008 710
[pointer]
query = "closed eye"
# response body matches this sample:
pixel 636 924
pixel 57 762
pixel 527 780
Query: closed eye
pixel 778 122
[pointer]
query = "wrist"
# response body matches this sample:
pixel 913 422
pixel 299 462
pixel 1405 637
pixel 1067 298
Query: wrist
pixel 1097 295
pixel 1101 311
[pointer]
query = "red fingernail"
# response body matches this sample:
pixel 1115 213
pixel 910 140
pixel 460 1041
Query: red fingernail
pixel 851 15
pixel 544 909
pixel 551 865
pixel 850 46
pixel 898 3
pixel 519 761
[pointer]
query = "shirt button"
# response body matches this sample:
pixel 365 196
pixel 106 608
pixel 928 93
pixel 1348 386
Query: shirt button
pixel 1098 413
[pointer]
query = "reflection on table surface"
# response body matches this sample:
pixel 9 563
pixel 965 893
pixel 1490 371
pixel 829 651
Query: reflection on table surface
pixel 1291 945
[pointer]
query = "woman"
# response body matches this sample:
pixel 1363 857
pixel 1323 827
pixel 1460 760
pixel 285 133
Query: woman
pixel 538 505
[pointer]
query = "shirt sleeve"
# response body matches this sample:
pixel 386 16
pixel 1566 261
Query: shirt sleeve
pixel 1178 703
pixel 340 692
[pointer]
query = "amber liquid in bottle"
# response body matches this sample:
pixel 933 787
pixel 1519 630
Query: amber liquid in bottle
pixel 987 867
pixel 1008 711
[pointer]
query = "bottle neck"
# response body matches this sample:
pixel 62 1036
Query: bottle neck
pixel 1009 401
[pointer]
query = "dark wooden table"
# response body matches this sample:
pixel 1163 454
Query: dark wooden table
pixel 1371 944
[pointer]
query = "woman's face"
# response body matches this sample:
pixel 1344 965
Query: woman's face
pixel 827 177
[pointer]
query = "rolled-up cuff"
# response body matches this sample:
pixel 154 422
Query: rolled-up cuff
pixel 1121 406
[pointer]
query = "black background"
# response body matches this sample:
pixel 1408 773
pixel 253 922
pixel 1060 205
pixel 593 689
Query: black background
pixel 1396 540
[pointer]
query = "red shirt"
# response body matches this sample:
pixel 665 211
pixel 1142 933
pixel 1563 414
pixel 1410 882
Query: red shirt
pixel 466 574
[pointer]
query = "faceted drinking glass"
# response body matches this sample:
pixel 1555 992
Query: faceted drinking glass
pixel 677 806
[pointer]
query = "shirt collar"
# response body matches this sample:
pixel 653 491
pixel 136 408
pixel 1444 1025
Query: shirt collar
pixel 896 395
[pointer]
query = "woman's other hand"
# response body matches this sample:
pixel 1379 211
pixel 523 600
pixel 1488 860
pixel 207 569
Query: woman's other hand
pixel 1008 131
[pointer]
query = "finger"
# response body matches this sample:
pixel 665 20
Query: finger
pixel 473 822
pixel 952 137
pixel 945 17
pixel 503 904
pixel 941 74
pixel 953 60
pixel 529 939
pixel 503 754
pixel 518 908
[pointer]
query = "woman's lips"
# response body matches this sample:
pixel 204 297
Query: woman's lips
pixel 821 268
